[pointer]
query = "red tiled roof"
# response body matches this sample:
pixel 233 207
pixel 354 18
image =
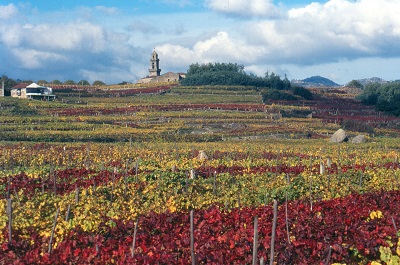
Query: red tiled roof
pixel 22 85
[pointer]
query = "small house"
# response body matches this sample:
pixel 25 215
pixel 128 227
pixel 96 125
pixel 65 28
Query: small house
pixel 32 91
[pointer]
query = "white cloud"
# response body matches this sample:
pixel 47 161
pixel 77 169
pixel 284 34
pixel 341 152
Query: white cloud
pixel 176 55
pixel 34 59
pixel 180 3
pixel 8 11
pixel 145 27
pixel 94 42
pixel 221 48
pixel 62 37
pixel 110 11
pixel 244 7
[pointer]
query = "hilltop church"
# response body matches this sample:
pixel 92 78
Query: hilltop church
pixel 154 73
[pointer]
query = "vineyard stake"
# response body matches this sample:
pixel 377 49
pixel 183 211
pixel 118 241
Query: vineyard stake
pixel 77 195
pixel 134 237
pixel 255 240
pixel 238 194
pixel 329 255
pixel 137 169
pixel 214 184
pixel 42 185
pixel 286 218
pixel 311 191
pixel 52 231
pixel 125 176
pixel 192 238
pixel 394 224
pixel 16 195
pixel 67 213
pixel 112 184
pixel 54 180
pixel 262 262
pixel 186 182
pixel 361 178
pixel 271 260
pixel 8 187
pixel 9 211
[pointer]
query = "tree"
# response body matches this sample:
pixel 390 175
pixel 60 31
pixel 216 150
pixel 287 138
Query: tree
pixel 84 82
pixel 42 81
pixel 56 82
pixel 302 92
pixel 98 83
pixel 69 82
pixel 385 97
pixel 355 83
pixel 229 74
pixel 8 82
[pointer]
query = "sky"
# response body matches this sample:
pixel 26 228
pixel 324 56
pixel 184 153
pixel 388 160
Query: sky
pixel 112 41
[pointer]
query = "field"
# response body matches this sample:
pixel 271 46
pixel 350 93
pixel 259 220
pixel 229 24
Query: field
pixel 197 175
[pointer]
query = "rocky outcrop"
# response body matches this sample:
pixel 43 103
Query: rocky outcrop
pixel 358 139
pixel 339 136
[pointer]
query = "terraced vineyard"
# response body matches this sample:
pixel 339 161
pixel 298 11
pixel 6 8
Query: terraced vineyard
pixel 193 176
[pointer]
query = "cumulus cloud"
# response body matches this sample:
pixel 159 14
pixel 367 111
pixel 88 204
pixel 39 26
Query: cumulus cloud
pixel 316 33
pixel 180 3
pixel 8 11
pixel 111 11
pixel 71 36
pixel 265 37
pixel 143 27
pixel 246 8
pixel 34 59
pixel 176 55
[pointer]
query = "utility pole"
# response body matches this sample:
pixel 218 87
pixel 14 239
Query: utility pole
pixel 2 88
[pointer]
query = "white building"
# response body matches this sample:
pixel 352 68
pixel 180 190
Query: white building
pixel 32 91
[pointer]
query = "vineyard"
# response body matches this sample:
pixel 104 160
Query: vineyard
pixel 197 175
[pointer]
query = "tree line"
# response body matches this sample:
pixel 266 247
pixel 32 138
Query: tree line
pixel 271 86
pixel 10 82
pixel 384 96
pixel 231 74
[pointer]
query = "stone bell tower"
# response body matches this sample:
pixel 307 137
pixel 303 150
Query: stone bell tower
pixel 154 65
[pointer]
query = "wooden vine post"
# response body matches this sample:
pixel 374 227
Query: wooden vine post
pixel 192 238
pixel 9 211
pixel 255 240
pixel 272 254
pixel 134 237
pixel 53 230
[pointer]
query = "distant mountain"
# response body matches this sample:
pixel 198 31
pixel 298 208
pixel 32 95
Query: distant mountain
pixel 315 81
pixel 372 80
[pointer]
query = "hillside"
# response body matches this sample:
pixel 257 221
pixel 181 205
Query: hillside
pixel 315 81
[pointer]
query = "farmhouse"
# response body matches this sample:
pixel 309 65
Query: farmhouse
pixel 32 91
pixel 154 73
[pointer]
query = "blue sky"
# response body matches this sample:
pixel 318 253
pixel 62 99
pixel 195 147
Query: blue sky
pixel 112 40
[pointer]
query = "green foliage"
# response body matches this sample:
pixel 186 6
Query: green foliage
pixel 8 82
pixel 84 82
pixel 302 92
pixel 42 81
pixel 230 74
pixel 98 83
pixel 355 83
pixel 69 82
pixel 385 97
pixel 388 257
pixel 274 94
pixel 56 82
pixel 17 107
pixel 359 126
